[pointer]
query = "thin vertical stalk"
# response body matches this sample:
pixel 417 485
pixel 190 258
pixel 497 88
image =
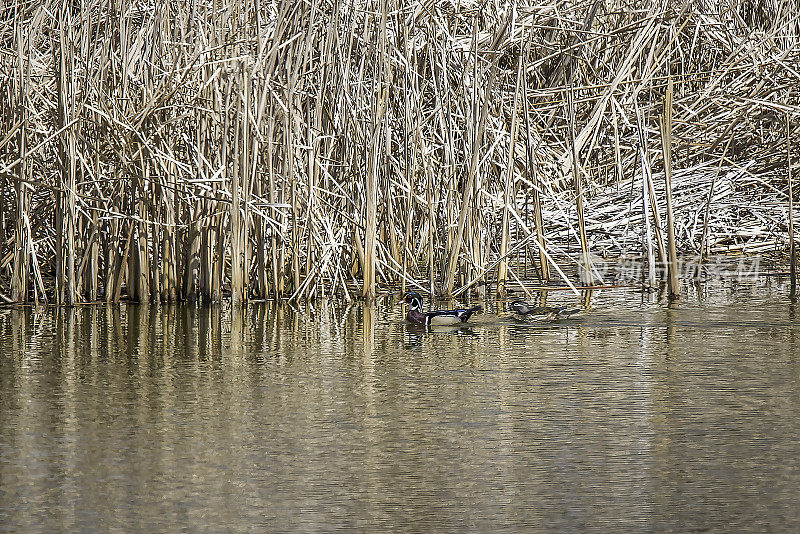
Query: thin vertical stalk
pixel 704 248
pixel 586 274
pixel 273 239
pixel 370 232
pixel 237 254
pixel 168 258
pixel 37 273
pixel 247 158
pixel 659 236
pixel 289 174
pixel 673 284
pixel 410 168
pixel 431 260
pixel 258 229
pixel 93 259
pixel 532 166
pixel 617 156
pixel 191 255
pixel 792 249
pixel 66 213
pixel 142 254
pixel 204 208
pixel 650 280
pixel 651 193
pixel 19 277
pixel 509 196
pixel 120 270
pixel 218 257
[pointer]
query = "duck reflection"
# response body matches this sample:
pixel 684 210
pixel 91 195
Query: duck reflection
pixel 416 333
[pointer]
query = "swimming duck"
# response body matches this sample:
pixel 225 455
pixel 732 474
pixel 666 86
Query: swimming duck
pixel 523 310
pixel 441 317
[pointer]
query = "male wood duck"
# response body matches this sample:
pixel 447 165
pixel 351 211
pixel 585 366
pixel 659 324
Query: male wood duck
pixel 441 317
pixel 526 312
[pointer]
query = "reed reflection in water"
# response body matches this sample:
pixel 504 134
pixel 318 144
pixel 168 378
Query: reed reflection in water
pixel 639 416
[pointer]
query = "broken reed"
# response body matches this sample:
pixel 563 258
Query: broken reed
pixel 184 151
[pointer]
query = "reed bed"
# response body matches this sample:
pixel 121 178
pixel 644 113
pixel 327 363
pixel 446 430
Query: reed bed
pixel 291 150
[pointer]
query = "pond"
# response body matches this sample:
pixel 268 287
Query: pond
pixel 637 416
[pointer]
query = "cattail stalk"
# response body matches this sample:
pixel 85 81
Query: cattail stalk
pixel 673 285
pixel 707 210
pixel 792 249
pixel 239 170
pixel 532 165
pixel 371 189
pixel 650 279
pixel 586 264
pixel 22 251
pixel 65 214
pixel 508 196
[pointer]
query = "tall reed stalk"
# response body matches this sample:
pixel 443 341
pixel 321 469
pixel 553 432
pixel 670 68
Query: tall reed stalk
pixel 586 264
pixel 673 284
pixel 792 249
pixel 502 269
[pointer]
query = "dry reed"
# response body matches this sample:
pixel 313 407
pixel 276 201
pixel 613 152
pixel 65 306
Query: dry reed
pixel 263 149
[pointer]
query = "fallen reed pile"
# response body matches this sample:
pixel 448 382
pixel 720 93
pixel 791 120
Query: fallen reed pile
pixel 263 149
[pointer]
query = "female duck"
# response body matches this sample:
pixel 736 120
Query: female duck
pixel 441 317
pixel 526 312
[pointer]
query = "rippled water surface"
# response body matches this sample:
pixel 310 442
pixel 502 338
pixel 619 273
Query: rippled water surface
pixel 635 417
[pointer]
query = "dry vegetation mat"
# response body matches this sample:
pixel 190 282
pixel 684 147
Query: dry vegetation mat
pixel 260 149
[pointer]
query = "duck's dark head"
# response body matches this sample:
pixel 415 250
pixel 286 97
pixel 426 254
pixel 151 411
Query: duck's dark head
pixel 413 299
pixel 519 306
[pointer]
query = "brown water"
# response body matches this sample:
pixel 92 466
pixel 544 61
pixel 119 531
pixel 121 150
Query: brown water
pixel 636 417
